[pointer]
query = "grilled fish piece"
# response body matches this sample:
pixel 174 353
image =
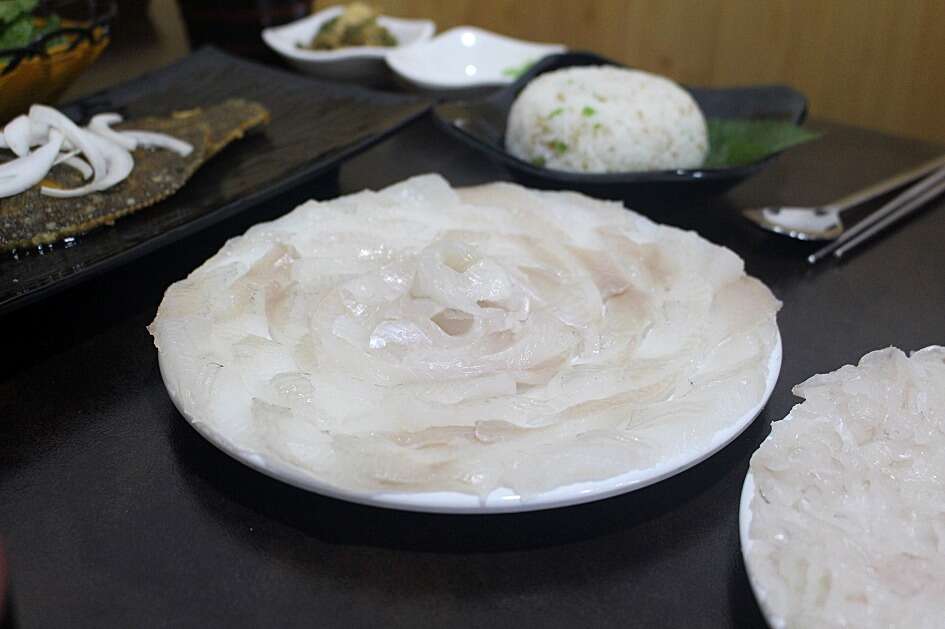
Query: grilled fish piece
pixel 32 218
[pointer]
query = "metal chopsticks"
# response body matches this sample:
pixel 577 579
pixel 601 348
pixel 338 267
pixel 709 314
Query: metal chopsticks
pixel 904 204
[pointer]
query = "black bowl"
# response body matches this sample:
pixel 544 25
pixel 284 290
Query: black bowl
pixel 481 125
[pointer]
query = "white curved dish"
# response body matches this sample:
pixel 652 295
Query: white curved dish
pixel 501 500
pixel 744 527
pixel 356 63
pixel 466 57
pixel 745 517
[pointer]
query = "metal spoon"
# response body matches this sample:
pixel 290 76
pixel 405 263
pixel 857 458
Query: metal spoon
pixel 824 223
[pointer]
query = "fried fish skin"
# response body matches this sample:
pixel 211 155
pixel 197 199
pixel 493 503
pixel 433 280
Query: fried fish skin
pixel 31 218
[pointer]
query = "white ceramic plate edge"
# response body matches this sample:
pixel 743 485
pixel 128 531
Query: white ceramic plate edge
pixel 405 71
pixel 500 500
pixel 744 528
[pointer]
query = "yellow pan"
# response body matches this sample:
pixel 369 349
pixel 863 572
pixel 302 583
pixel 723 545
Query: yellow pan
pixel 43 77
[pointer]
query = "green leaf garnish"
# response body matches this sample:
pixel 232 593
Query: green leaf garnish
pixel 736 142
pixel 17 33
pixel 516 71
pixel 538 161
pixel 54 23
pixel 8 11
pixel 558 146
pixel 19 28
pixel 587 112
pixel 556 112
pixel 11 10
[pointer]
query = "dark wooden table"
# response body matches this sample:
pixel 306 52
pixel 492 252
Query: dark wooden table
pixel 115 513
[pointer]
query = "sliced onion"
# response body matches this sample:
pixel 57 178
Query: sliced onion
pixel 72 160
pixel 25 172
pixel 159 140
pixel 101 126
pixel 80 139
pixel 38 135
pixel 13 167
pixel 79 164
pixel 107 152
pixel 17 134
pixel 119 164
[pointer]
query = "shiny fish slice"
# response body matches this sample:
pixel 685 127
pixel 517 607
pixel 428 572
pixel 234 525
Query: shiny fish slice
pixel 846 498
pixel 31 218
pixel 429 339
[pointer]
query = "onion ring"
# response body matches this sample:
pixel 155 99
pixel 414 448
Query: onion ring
pixel 159 140
pixel 25 172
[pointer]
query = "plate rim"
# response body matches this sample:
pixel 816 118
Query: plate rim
pixel 745 542
pixel 394 59
pixel 439 502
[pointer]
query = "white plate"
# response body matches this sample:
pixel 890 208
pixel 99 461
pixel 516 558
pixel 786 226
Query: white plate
pixel 744 526
pixel 501 500
pixel 355 63
pixel 466 57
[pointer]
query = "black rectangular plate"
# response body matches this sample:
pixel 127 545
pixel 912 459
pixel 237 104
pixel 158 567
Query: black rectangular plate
pixel 315 126
pixel 480 124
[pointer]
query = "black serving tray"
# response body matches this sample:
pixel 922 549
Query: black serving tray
pixel 481 125
pixel 315 126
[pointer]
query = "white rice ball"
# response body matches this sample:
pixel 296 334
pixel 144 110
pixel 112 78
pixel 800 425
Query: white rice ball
pixel 604 119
